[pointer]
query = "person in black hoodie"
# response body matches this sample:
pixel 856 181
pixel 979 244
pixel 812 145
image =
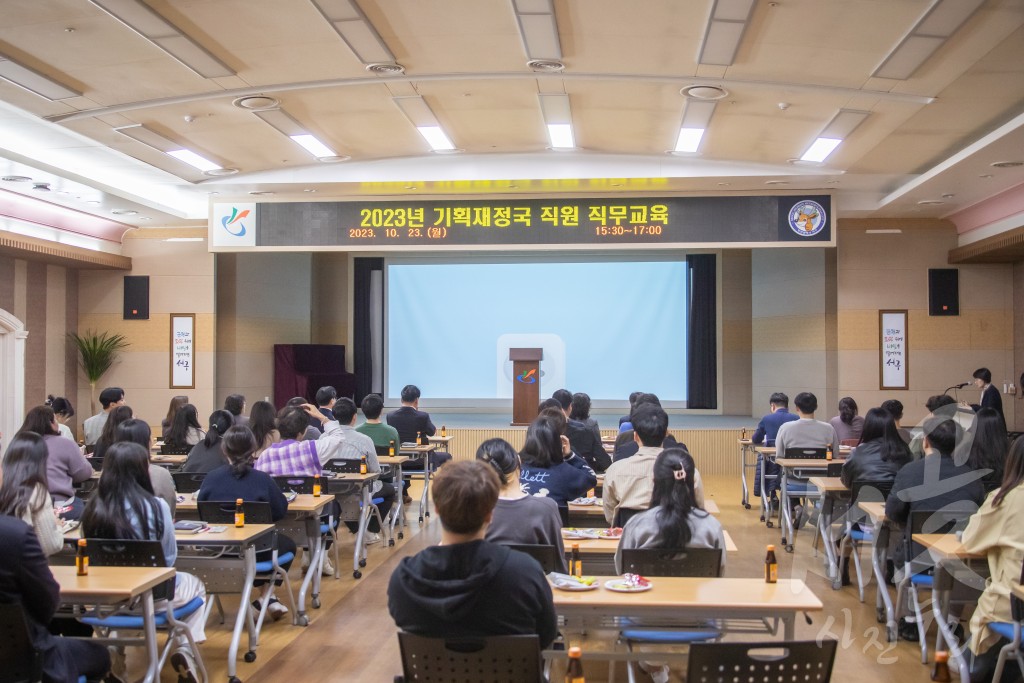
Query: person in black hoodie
pixel 467 586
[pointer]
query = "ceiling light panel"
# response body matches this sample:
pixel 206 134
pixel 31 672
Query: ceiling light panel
pixel 932 30
pixel 538 28
pixel 282 121
pixel 140 18
pixel 844 123
pixel 697 114
pixel 313 146
pixel 150 138
pixel 724 31
pixel 436 138
pixel 33 81
pixel 422 117
pixel 558 118
pixel 356 30
pixel 194 160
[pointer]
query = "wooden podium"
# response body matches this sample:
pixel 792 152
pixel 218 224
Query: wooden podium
pixel 525 384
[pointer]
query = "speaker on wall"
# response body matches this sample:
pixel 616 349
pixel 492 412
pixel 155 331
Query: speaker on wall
pixel 136 297
pixel 943 291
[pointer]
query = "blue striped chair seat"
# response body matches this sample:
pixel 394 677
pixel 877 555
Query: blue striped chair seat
pixel 671 637
pixel 135 623
pixel 922 580
pixel 1002 628
pixel 860 535
pixel 268 565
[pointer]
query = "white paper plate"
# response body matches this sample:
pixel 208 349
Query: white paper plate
pixel 620 586
pixel 577 589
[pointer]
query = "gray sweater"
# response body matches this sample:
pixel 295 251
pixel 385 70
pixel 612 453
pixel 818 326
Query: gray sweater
pixel 643 531
pixel 533 520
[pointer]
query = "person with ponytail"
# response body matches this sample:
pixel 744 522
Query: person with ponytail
pixel 206 455
pixel 848 424
pixel 673 520
pixel 108 435
pixel 263 423
pixel 519 518
pixel 138 431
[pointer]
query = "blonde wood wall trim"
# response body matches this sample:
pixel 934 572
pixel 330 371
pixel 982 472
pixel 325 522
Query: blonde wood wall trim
pixel 20 246
pixel 715 451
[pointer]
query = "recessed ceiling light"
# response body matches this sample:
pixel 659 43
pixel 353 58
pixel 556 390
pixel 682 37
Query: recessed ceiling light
pixel 93 201
pixel 333 159
pixel 986 176
pixel 16 179
pixel 435 137
pixel 454 150
pixel 948 195
pixel 255 102
pixel 1007 164
pixel 930 202
pixel 220 171
pixel 776 182
pixel 193 159
pixel 124 212
pixel 386 68
pixel 689 139
pixel 547 65
pixel 704 92
pixel 312 145
pixel 820 149
pixel 260 193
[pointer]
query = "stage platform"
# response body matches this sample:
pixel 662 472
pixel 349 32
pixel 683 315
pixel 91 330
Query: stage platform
pixel 502 420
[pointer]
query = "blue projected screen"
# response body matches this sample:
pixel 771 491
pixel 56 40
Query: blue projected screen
pixel 607 328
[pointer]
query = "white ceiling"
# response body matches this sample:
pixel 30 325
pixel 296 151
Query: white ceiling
pixel 798 63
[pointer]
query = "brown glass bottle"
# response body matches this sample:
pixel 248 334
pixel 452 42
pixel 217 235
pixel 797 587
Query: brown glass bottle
pixel 574 670
pixel 771 566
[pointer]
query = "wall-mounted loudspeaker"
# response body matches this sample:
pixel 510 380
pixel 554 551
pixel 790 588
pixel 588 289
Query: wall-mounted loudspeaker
pixel 136 297
pixel 943 291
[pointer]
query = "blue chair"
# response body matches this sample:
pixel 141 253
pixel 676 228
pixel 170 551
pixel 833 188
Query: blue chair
pixel 1011 631
pixel 854 538
pixel 132 553
pixel 696 562
pixel 269 571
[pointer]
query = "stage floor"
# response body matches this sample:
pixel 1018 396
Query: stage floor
pixel 457 420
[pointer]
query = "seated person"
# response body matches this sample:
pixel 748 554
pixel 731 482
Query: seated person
pixel 934 482
pixel 881 452
pixel 107 437
pixel 519 518
pixel 110 398
pixel 348 444
pixel 207 455
pixel 137 431
pixel 549 467
pixel 624 420
pixel 312 431
pixel 325 398
pixel 263 423
pixel 235 404
pixel 767 429
pixel 237 479
pixel 848 424
pixel 944 407
pixel 295 454
pixel 805 432
pixel 176 404
pixel 582 438
pixel 996 530
pixel 63 411
pixel 24 494
pixel 382 435
pixel 25 578
pixel 895 409
pixel 629 483
pixel 409 421
pixel 625 445
pixel 124 507
pixel 988 447
pixel 185 430
pixel 65 464
pixel 467 586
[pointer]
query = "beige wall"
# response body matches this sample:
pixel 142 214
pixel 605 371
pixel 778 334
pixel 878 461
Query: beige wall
pixel 181 280
pixel 736 332
pixel 330 300
pixel 793 326
pixel 262 300
pixel 890 271
pixel 45 298
pixel 1015 414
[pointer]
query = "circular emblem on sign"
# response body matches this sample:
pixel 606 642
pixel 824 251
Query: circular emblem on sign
pixel 807 218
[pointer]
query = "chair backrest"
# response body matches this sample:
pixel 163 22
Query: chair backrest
pixel 188 482
pixel 383 450
pixel 342 466
pixel 547 555
pixel 852 443
pixel 833 469
pixel 105 552
pixel 223 512
pixel 496 659
pixel 563 514
pixel 944 521
pixel 870 490
pixel 806 453
pixel 623 515
pixel 297 484
pixel 809 661
pixel 170 449
pixel 19 659
pixel 700 562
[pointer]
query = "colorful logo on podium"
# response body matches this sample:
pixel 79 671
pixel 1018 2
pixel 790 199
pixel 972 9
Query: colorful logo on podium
pixel 527 377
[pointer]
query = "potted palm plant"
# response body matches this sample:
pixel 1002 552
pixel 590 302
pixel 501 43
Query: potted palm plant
pixel 96 353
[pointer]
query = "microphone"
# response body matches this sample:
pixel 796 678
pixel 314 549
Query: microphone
pixel 961 386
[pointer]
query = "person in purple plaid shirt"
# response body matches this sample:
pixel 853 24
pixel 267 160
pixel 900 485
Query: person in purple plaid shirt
pixel 293 455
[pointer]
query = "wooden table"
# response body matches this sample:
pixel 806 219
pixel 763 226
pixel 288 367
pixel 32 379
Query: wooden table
pixel 787 529
pixel 597 510
pixel 687 599
pixel 599 546
pixel 112 586
pixel 168 460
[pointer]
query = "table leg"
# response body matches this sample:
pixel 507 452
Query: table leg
pixel 789 625
pixel 315 544
pixel 743 476
pixel 425 496
pixel 359 554
pixel 883 599
pixel 786 521
pixel 825 532
pixel 399 514
pixel 149 625
pixel 243 613
pixel 944 634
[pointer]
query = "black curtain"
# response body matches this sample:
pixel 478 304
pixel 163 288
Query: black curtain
pixel 702 364
pixel 363 359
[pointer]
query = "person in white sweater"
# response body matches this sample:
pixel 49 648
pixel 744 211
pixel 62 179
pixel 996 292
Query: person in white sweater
pixel 24 493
